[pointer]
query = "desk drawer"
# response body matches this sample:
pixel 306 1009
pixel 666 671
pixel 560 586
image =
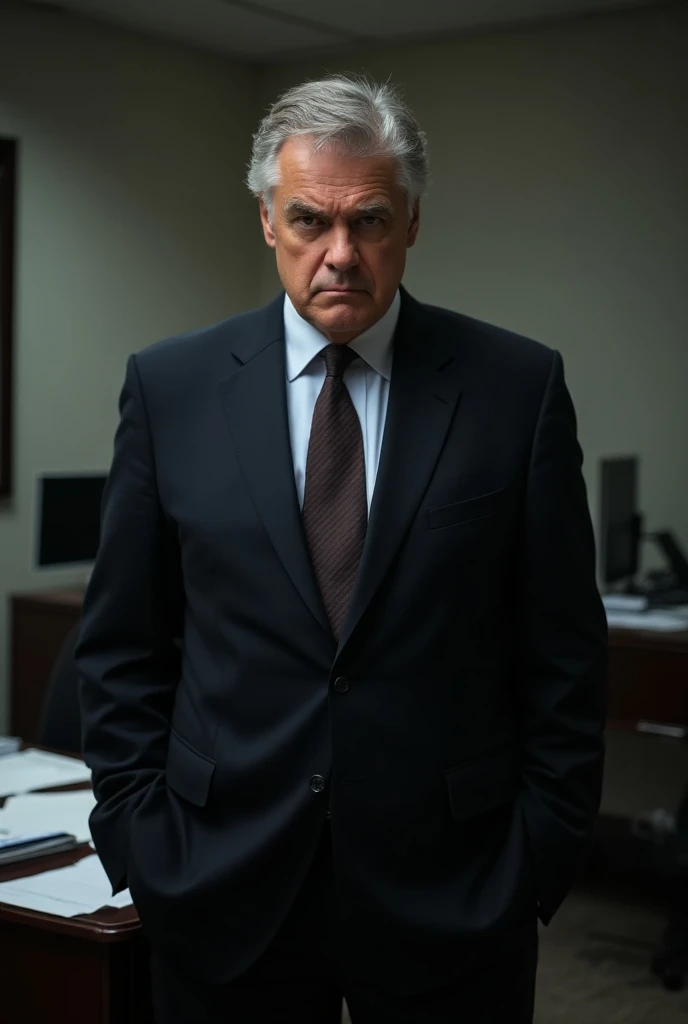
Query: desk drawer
pixel 647 684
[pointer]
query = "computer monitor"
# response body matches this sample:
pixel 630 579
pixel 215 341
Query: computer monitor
pixel 620 522
pixel 68 519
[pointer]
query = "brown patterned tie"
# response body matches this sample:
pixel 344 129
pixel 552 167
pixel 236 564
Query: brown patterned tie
pixel 335 508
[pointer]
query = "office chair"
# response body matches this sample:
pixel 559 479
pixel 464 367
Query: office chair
pixel 670 962
pixel 61 722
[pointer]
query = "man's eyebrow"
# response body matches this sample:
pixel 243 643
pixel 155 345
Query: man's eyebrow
pixel 374 208
pixel 300 208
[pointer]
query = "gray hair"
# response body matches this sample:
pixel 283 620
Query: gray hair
pixel 358 116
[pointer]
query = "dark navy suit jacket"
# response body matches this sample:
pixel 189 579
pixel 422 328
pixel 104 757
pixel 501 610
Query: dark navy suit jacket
pixel 462 763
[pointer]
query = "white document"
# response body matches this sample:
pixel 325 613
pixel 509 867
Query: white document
pixel 80 889
pixel 49 812
pixel 9 744
pixel 36 769
pixel 654 621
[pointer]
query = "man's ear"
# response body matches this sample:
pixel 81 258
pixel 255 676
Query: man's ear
pixel 265 221
pixel 414 224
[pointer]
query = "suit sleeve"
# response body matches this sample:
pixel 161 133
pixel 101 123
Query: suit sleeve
pixel 563 657
pixel 128 663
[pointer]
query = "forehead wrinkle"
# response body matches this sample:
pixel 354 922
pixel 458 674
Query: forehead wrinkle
pixel 336 177
pixel 334 182
pixel 297 155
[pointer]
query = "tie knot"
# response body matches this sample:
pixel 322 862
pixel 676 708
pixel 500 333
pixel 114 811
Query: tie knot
pixel 337 359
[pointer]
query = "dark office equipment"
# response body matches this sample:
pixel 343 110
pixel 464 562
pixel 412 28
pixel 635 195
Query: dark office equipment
pixel 677 560
pixel 670 963
pixel 40 623
pixel 668 587
pixel 69 518
pixel 621 524
pixel 61 725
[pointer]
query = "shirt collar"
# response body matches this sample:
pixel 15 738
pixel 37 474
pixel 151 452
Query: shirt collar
pixel 304 342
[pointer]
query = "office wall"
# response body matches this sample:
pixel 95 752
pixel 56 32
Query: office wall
pixel 559 208
pixel 132 224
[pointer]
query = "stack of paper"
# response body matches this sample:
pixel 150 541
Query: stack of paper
pixel 29 845
pixel 674 621
pixel 36 769
pixel 625 602
pixel 80 889
pixel 49 812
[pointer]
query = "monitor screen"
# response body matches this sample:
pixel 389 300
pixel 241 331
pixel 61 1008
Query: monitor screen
pixel 69 518
pixel 620 521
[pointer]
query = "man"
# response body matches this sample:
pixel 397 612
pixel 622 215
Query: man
pixel 342 650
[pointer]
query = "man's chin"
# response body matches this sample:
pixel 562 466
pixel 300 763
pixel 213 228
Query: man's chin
pixel 340 319
pixel 351 305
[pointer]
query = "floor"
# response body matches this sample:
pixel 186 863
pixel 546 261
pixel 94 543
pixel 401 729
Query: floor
pixel 594 966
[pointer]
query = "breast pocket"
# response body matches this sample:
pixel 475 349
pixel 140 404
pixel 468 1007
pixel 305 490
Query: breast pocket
pixel 467 511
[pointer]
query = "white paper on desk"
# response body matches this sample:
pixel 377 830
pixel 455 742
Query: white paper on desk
pixel 80 889
pixel 49 812
pixel 36 769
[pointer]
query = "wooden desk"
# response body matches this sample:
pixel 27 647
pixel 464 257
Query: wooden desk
pixel 648 682
pixel 91 969
pixel 94 969
pixel 647 678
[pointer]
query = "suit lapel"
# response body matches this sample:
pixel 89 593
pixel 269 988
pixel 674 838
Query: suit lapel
pixel 424 392
pixel 255 405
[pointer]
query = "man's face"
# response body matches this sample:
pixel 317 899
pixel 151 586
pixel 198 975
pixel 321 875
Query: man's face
pixel 340 230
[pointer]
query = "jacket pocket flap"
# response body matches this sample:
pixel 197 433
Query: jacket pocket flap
pixel 188 773
pixel 481 785
pixel 465 511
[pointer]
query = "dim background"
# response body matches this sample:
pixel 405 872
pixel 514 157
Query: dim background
pixel 558 208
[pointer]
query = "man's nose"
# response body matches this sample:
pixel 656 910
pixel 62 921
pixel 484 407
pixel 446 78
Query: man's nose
pixel 342 253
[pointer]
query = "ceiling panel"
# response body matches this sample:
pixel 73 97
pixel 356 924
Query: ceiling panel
pixel 270 29
pixel 395 18
pixel 212 24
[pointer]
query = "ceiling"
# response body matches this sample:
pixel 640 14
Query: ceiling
pixel 270 30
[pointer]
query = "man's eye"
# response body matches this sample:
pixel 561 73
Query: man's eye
pixel 371 221
pixel 307 220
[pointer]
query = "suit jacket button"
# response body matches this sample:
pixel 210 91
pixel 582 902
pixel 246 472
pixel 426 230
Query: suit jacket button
pixel 341 685
pixel 317 783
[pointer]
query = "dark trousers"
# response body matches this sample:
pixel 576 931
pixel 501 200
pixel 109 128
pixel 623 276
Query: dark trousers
pixel 302 978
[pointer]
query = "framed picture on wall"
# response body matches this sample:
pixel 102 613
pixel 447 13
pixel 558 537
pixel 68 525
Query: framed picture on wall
pixel 8 163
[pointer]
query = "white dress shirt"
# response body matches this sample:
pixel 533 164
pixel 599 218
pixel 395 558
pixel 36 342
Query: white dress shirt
pixel 367 379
